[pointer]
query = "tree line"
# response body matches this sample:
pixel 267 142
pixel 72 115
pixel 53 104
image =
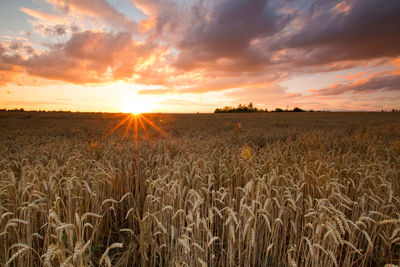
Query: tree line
pixel 250 108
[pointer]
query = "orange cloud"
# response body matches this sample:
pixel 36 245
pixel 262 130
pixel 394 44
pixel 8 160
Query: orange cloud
pixel 8 72
pixel 396 64
pixel 147 24
pixel 87 57
pixel 353 76
pixel 342 7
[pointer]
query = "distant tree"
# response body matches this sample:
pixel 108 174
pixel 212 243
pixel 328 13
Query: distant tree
pixel 227 109
pixel 296 109
pixel 278 110
pixel 16 110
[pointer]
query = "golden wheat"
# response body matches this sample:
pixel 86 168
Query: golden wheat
pixel 309 189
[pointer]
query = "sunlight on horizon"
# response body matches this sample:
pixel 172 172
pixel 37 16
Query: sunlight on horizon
pixel 135 106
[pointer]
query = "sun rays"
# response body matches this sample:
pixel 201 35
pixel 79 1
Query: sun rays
pixel 136 126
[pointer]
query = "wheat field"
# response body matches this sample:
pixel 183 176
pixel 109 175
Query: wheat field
pixel 270 189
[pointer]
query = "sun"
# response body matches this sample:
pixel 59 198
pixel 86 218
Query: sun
pixel 135 106
pixel 135 120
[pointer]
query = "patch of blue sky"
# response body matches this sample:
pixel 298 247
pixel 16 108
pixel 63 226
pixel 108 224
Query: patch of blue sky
pixel 127 8
pixel 12 20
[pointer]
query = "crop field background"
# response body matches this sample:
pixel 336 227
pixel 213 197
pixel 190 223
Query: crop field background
pixel 269 189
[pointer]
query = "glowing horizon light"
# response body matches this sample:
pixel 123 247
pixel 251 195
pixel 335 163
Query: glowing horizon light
pixel 135 106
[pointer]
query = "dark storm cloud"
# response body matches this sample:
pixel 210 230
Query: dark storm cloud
pixel 229 31
pixel 242 36
pixel 347 30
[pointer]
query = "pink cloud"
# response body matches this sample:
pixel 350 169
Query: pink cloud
pixel 87 57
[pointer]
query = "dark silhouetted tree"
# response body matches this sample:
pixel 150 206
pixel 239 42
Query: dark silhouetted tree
pixel 296 109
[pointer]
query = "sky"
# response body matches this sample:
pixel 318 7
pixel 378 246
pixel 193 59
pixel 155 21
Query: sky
pixel 198 55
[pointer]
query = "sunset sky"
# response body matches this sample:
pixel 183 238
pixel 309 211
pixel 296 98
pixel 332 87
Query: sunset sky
pixel 197 55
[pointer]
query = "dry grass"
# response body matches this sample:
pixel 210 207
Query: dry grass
pixel 312 189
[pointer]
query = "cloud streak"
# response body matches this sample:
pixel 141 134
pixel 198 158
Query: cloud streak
pixel 43 15
pixel 375 83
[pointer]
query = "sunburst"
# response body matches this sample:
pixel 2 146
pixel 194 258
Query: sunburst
pixel 136 122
